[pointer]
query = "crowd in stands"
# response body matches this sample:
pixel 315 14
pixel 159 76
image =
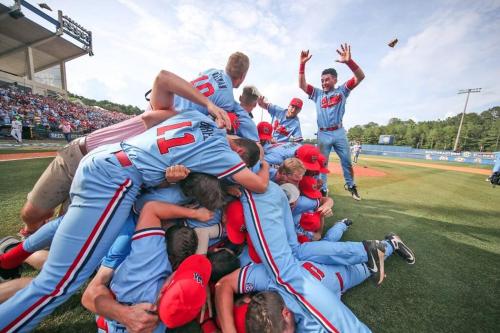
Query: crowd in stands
pixel 34 110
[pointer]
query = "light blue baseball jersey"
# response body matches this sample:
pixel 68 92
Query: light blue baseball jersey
pixel 330 106
pixel 247 128
pixel 284 128
pixel 214 84
pixel 496 167
pixel 189 138
pixel 275 154
pixel 121 246
pixel 142 274
pixel 254 278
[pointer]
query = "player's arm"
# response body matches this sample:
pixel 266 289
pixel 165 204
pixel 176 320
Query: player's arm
pixel 224 301
pixel 345 57
pixel 304 58
pixel 167 84
pixel 153 118
pixel 154 211
pixel 98 299
pixel 254 182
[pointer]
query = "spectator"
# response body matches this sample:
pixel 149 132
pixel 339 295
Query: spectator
pixel 66 129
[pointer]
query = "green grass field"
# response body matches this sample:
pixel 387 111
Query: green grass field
pixel 450 219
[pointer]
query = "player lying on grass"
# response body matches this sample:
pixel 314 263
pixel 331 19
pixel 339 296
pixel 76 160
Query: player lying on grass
pixel 117 173
pixel 273 310
pixel 203 189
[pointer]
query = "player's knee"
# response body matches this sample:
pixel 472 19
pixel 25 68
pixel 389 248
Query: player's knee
pixel 30 214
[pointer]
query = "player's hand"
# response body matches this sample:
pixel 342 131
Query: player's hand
pixel 221 118
pixel 202 214
pixel 325 211
pixel 344 53
pixel 305 56
pixel 141 317
pixel 234 190
pixel 261 100
pixel 176 173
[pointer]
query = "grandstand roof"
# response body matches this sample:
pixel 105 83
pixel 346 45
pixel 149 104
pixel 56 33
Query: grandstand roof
pixel 49 47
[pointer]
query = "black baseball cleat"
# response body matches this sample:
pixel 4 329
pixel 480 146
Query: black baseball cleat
pixel 324 193
pixel 401 248
pixel 6 244
pixel 354 191
pixel 376 251
pixel 346 221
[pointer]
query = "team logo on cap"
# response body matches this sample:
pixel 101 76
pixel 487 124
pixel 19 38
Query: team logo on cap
pixel 266 130
pixel 197 278
pixel 314 158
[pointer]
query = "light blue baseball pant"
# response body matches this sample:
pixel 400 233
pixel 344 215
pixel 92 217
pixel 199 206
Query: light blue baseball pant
pixel 336 140
pixel 266 232
pixel 334 234
pixel 102 195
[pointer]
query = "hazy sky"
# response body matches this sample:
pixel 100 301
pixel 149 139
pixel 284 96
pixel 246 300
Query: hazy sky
pixel 443 46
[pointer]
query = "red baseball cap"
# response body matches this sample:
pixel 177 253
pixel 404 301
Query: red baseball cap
pixel 308 154
pixel 309 187
pixel 302 238
pixel 265 130
pixel 310 221
pixel 235 222
pixel 185 295
pixel 235 121
pixel 251 251
pixel 239 313
pixel 296 102
pixel 322 164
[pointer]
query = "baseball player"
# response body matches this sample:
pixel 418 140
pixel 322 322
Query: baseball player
pixel 495 174
pixel 137 281
pixel 286 123
pixel 116 173
pixel 330 108
pixel 267 219
pixel 336 278
pixel 356 149
pixel 17 130
pixel 218 86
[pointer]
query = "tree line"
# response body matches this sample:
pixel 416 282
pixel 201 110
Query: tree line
pixel 480 132
pixel 108 105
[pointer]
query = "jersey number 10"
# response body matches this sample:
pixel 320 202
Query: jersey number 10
pixel 205 88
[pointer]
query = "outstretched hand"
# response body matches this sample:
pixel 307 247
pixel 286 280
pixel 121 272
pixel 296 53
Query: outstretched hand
pixel 305 56
pixel 344 53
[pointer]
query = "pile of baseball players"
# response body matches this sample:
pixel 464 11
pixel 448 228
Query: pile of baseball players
pixel 172 213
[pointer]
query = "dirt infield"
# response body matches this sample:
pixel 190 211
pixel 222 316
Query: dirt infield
pixel 359 171
pixel 26 156
pixel 432 166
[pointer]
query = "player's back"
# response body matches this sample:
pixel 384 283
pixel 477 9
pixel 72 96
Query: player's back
pixel 277 153
pixel 189 138
pixel 214 84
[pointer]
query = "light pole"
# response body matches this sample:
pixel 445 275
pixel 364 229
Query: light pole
pixel 468 92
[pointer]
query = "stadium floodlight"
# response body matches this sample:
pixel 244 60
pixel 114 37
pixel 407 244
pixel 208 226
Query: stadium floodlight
pixel 468 92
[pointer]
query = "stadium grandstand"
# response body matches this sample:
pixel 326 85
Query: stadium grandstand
pixel 34 50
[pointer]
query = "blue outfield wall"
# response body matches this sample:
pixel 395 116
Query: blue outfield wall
pixel 428 154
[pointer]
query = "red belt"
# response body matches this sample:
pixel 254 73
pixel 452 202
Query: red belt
pixel 333 128
pixel 123 158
